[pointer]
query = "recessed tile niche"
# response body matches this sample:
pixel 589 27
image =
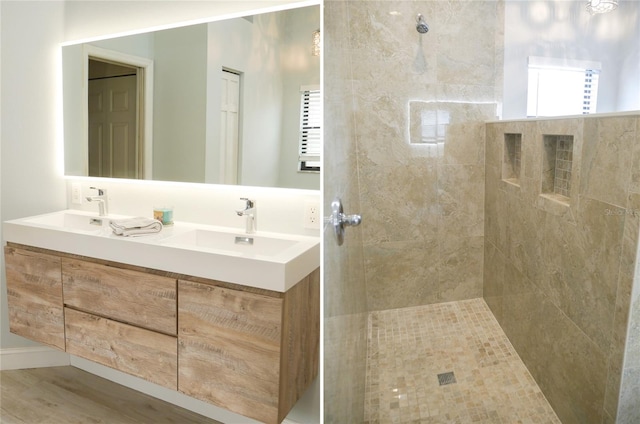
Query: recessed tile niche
pixel 557 162
pixel 511 163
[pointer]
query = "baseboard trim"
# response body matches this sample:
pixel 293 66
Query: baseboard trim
pixel 32 357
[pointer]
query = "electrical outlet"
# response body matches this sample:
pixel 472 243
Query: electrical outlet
pixel 76 193
pixel 312 215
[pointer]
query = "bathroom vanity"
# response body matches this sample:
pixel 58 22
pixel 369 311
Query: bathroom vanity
pixel 249 349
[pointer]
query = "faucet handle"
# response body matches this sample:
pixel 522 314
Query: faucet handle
pixel 101 191
pixel 250 202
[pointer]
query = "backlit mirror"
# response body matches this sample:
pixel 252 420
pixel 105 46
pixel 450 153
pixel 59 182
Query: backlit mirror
pixel 223 102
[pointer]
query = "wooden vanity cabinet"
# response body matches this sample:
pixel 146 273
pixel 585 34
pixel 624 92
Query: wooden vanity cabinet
pixel 248 350
pixel 254 353
pixel 34 295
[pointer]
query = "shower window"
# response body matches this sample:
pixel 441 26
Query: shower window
pixel 310 144
pixel 561 87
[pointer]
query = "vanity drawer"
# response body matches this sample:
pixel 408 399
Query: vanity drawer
pixel 133 297
pixel 136 351
pixel 34 296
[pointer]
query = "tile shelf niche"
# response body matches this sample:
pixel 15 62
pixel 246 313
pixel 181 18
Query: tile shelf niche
pixel 557 166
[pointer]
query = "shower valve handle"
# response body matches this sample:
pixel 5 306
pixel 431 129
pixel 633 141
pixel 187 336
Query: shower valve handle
pixel 339 220
pixel 350 220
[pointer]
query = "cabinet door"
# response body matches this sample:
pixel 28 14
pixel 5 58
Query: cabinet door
pixel 136 351
pixel 229 349
pixel 34 295
pixel 133 297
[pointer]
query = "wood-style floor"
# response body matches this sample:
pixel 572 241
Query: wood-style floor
pixel 68 395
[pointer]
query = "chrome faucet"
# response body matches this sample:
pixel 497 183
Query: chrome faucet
pixel 101 198
pixel 249 212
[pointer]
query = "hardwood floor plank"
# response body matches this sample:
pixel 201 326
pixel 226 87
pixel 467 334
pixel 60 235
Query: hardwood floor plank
pixel 69 395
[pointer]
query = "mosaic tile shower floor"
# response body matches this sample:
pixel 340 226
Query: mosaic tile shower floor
pixel 408 348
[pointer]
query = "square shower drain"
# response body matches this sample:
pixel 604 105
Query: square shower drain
pixel 446 378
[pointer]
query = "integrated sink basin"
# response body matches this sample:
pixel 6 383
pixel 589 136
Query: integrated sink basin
pixel 271 261
pixel 68 220
pixel 243 244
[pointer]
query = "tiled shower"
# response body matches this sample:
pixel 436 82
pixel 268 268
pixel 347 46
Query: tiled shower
pixel 522 214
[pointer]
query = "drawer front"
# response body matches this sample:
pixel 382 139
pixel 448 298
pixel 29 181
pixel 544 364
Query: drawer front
pixel 229 349
pixel 136 351
pixel 133 297
pixel 34 296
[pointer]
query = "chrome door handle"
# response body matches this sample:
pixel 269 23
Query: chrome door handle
pixel 339 220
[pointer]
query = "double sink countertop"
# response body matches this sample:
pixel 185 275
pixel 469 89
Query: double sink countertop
pixel 271 261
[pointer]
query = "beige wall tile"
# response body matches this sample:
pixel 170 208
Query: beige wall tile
pixel 524 233
pixel 634 183
pixel 460 192
pixel 465 142
pixel 582 267
pixel 460 268
pixel 345 339
pixel 393 278
pixel 607 159
pixel 494 279
pixel 399 203
pixel 570 368
pixel 494 135
pixel 495 216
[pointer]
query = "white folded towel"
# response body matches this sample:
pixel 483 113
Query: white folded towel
pixel 135 226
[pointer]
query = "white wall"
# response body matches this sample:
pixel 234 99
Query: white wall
pixel 564 29
pixel 629 65
pixel 32 180
pixel 31 168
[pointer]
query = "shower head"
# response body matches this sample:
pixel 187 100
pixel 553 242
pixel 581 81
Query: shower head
pixel 421 25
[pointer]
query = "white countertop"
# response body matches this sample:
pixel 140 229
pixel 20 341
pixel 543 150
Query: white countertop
pixel 277 271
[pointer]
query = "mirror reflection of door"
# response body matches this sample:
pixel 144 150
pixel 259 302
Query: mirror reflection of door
pixel 229 127
pixel 115 148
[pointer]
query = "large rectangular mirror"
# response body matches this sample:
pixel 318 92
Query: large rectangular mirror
pixel 225 102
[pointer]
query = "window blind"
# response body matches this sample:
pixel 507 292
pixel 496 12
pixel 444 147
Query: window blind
pixel 310 133
pixel 590 91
